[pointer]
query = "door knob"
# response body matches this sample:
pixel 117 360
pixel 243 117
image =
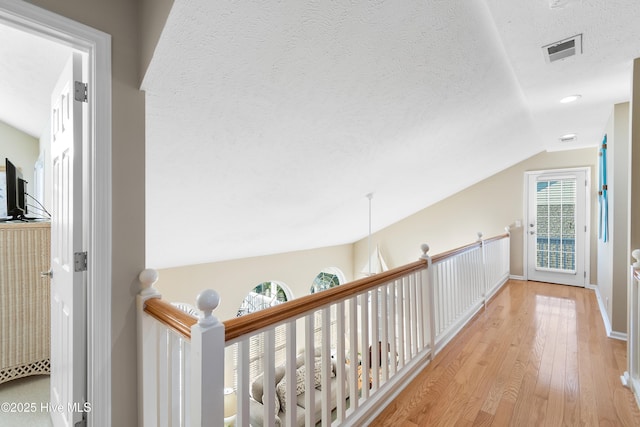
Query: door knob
pixel 48 274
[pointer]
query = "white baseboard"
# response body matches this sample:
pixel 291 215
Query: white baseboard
pixel 514 277
pixel 605 316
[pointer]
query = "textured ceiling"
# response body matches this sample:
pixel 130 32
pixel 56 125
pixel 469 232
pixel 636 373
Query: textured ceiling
pixel 29 69
pixel 269 122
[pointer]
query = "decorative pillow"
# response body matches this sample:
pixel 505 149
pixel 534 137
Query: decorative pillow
pixel 281 388
pixel 281 392
pixel 276 406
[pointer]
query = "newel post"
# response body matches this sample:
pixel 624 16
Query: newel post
pixel 147 344
pixel 427 280
pixel 207 364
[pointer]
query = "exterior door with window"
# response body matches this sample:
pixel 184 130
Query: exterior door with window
pixel 556 227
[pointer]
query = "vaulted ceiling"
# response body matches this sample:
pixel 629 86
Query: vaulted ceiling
pixel 268 123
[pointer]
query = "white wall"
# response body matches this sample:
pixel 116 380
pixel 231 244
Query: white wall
pixel 45 156
pixel 21 149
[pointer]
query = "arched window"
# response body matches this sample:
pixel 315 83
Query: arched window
pixel 329 277
pixel 264 295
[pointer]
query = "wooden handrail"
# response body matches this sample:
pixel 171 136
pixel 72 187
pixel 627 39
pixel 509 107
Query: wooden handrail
pixel 181 322
pixel 170 315
pixel 494 238
pixel 252 322
pixel 462 249
pixel 457 251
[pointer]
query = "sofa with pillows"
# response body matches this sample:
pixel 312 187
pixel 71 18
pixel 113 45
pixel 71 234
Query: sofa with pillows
pixel 257 389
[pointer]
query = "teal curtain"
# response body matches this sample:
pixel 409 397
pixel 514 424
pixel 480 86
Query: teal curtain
pixel 603 223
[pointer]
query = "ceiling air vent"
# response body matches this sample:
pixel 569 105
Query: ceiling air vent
pixel 570 137
pixel 563 49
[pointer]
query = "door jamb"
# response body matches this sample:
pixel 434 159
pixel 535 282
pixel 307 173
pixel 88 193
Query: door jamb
pixel 97 224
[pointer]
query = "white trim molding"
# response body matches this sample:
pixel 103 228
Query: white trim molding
pixel 605 316
pixel 97 226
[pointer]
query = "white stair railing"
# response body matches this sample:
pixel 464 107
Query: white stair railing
pixel 178 383
pixel 348 349
pixel 375 335
pixel 356 342
pixel 631 377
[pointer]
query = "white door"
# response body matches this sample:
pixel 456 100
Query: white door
pixel 556 226
pixel 68 348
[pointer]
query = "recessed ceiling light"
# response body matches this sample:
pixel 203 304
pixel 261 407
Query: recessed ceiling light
pixel 570 137
pixel 570 98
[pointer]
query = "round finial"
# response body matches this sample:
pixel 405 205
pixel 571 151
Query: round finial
pixel 148 278
pixel 425 249
pixel 207 301
pixel 479 233
pixel 636 255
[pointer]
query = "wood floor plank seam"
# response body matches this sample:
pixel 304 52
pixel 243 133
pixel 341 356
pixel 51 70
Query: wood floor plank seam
pixel 538 354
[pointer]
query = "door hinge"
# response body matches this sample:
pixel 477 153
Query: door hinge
pixel 80 261
pixel 81 92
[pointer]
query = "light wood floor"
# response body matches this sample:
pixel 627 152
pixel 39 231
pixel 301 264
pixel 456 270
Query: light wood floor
pixel 538 355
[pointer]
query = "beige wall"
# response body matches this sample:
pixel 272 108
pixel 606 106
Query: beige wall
pixel 21 149
pixel 120 19
pixel 613 255
pixel 234 279
pixel 153 15
pixel 488 206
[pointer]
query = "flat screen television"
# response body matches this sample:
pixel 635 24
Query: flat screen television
pixel 15 191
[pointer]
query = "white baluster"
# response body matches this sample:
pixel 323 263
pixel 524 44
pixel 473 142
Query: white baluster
pixel 400 327
pixel 290 373
pixel 309 355
pixel 364 342
pixel 326 366
pixel 353 353
pixel 384 318
pixel 340 363
pixel 269 392
pixel 242 417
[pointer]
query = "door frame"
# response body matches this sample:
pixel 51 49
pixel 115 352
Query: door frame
pixel 587 213
pixel 96 48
